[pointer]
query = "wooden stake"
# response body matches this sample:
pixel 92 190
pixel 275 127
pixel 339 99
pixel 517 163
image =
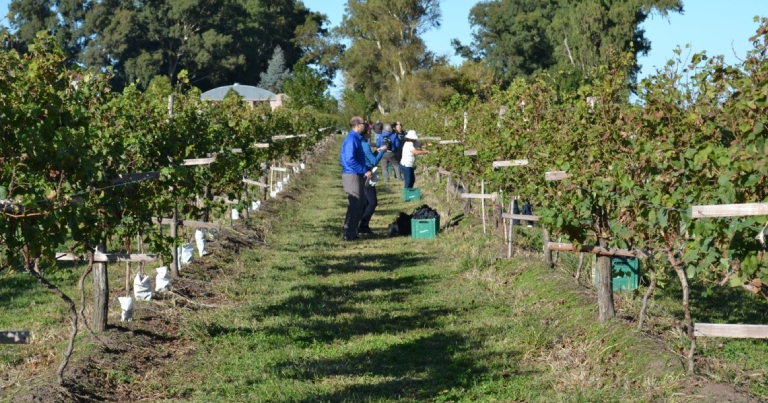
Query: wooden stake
pixel 100 293
pixel 127 279
pixel 174 251
pixel 547 251
pixel 482 202
pixel 511 234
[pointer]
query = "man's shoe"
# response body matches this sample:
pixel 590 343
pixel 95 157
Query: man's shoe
pixel 365 231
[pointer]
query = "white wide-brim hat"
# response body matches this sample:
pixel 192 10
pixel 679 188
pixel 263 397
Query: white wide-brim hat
pixel 412 135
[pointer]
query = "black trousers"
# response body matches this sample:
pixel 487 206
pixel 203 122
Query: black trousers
pixel 370 202
pixel 527 210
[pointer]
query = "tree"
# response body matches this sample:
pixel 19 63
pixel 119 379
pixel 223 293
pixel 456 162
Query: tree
pixel 585 34
pixel 63 19
pixel 216 41
pixel 272 79
pixel 386 46
pixel 511 37
pixel 305 87
pixel 286 23
pixel 520 37
pixel 356 103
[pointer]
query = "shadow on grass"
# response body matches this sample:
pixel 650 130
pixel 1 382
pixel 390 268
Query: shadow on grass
pixel 417 369
pixel 720 304
pixel 19 289
pixel 332 300
pixel 15 286
pixel 324 265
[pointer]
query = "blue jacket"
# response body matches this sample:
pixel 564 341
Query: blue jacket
pixel 370 159
pixel 352 157
pixel 393 139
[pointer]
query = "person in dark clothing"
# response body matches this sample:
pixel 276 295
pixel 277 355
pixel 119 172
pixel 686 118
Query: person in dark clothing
pixel 527 210
pixel 377 129
pixel 371 200
pixel 399 131
pixel 389 139
pixel 353 176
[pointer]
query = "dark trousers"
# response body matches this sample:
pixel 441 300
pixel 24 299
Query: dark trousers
pixel 369 206
pixel 390 159
pixel 409 176
pixel 353 186
pixel 527 210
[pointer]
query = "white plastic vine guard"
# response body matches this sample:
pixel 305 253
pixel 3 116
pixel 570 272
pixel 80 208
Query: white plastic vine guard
pixel 126 305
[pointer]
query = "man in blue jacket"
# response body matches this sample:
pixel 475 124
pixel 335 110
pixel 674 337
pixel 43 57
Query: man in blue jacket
pixel 354 172
pixel 389 139
pixel 371 199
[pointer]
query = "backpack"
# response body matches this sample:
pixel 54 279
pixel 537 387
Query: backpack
pixel 387 141
pixel 401 141
pixel 401 225
pixel 424 212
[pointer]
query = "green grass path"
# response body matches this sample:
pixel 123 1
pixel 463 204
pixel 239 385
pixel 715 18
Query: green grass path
pixel 395 319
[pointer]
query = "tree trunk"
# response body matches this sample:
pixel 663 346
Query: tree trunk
pixel 604 286
pixel 206 210
pixel 646 297
pixel 578 268
pixel 686 306
pixel 35 271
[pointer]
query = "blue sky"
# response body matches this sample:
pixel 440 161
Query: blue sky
pixel 718 27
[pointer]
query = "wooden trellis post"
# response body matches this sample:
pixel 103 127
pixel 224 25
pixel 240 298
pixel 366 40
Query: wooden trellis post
pixel 482 196
pixel 100 279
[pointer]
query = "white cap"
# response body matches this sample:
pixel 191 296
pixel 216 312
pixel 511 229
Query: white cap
pixel 412 135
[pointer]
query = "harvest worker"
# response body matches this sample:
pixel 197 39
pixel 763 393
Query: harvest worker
pixel 408 162
pixel 354 172
pixel 389 139
pixel 371 199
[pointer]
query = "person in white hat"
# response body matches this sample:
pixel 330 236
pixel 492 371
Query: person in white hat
pixel 408 160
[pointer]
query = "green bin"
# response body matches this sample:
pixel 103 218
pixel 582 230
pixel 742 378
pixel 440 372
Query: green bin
pixel 424 228
pixel 625 271
pixel 411 194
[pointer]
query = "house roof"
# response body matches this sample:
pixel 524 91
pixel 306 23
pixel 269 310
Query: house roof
pixel 248 92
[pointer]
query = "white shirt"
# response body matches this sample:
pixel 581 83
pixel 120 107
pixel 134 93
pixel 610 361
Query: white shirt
pixel 408 159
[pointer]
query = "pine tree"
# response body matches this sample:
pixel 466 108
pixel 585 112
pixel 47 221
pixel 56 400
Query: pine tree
pixel 272 79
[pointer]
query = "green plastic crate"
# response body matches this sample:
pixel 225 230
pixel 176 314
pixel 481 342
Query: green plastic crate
pixel 625 271
pixel 424 228
pixel 411 194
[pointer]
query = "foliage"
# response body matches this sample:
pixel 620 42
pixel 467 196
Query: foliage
pixel 387 49
pixel 355 103
pixel 697 136
pixel 306 87
pixel 522 37
pixel 217 41
pixel 71 139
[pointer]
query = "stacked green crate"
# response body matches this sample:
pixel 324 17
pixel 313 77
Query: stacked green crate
pixel 625 271
pixel 424 228
pixel 411 194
